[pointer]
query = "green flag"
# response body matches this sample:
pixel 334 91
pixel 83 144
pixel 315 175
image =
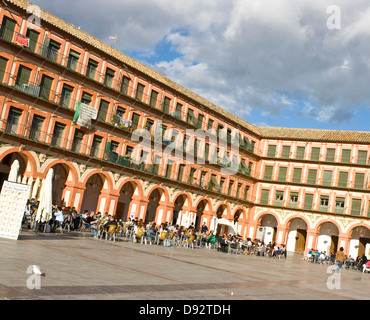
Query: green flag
pixel 77 112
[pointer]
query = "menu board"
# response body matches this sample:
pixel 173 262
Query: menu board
pixel 13 201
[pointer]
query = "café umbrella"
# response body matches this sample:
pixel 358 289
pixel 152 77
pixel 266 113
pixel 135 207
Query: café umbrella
pixel 35 188
pixel 45 209
pixel 13 173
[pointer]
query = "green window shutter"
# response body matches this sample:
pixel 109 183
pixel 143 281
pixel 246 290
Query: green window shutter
pixel 346 155
pixel 23 76
pixel 279 197
pixel 139 91
pixel 324 202
pixel 315 154
pixel 330 154
pixel 359 180
pixel 103 110
pixel 3 63
pixel 339 205
pixel 153 98
pixel 308 199
pixel 297 173
pixel 181 172
pixel 265 196
pixel 268 173
pixel 286 152
pixel 356 207
pixel 362 157
pixel 45 87
pixel 166 105
pixel 7 29
pixel 300 153
pixel 125 84
pixel 169 169
pixel 135 121
pixel 293 200
pixel 271 151
pixel 327 178
pixel 33 36
pixel 282 173
pixel 311 179
pixel 343 179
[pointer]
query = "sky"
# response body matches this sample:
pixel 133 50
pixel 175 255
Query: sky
pixel 282 63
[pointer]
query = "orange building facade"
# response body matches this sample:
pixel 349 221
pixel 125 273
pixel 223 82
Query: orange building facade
pixel 123 139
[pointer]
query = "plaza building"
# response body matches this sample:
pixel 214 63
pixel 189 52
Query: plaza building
pixel 122 138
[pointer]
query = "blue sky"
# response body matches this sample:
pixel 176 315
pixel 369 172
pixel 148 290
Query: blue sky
pixel 273 63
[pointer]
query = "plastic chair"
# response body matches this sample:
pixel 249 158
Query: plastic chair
pixel 162 236
pixel 111 233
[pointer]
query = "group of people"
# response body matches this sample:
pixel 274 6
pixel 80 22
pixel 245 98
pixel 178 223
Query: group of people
pixel 340 258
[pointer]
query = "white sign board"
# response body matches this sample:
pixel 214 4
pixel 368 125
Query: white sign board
pixel 13 201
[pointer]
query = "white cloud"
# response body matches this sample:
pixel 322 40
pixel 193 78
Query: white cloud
pixel 250 55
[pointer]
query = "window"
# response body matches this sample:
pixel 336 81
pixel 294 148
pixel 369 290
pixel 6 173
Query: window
pixel 361 157
pixel 246 192
pixel 135 121
pixel 103 110
pixel 181 172
pixel 286 152
pixel 359 180
pixel 92 66
pixel 169 169
pixel 178 113
pixel 45 87
pixel 293 203
pixel 330 155
pixel 238 190
pixel 7 29
pixel 149 125
pixel 65 98
pixel 343 179
pixel 166 105
pixel 13 120
pixel 202 178
pixel 346 155
pixel 282 173
pixel 77 140
pixel 200 121
pixel 264 196
pixel 300 153
pixel 356 207
pixel 231 183
pixel 324 202
pixel 57 134
pixel 36 127
pixel 3 64
pixel 268 173
pixel 125 84
pixel 109 76
pixel 308 199
pixel 271 151
pixel 315 154
pixel 339 205
pixel 279 197
pixel 95 148
pixel 23 76
pixel 210 124
pixel 51 49
pixel 73 60
pixel 33 36
pixel 86 98
pixel 297 173
pixel 311 179
pixel 139 91
pixel 153 98
pixel 327 178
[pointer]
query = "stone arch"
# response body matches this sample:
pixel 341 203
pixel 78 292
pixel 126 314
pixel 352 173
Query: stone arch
pixel 296 229
pixel 129 190
pixel 222 210
pixel 182 205
pixel 328 232
pixel 359 240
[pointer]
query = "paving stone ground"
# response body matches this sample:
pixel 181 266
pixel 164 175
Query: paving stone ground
pixel 82 268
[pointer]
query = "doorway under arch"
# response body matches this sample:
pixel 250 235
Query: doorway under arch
pixel 359 243
pixel 266 231
pixel 124 200
pixel 296 241
pixel 327 240
pixel 94 185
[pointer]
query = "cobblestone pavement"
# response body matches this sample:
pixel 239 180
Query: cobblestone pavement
pixel 79 267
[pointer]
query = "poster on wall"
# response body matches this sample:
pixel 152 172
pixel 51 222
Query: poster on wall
pixel 13 200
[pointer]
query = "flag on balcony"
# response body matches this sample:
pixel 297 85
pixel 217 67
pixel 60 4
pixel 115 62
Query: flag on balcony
pixel 22 40
pixel 84 114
